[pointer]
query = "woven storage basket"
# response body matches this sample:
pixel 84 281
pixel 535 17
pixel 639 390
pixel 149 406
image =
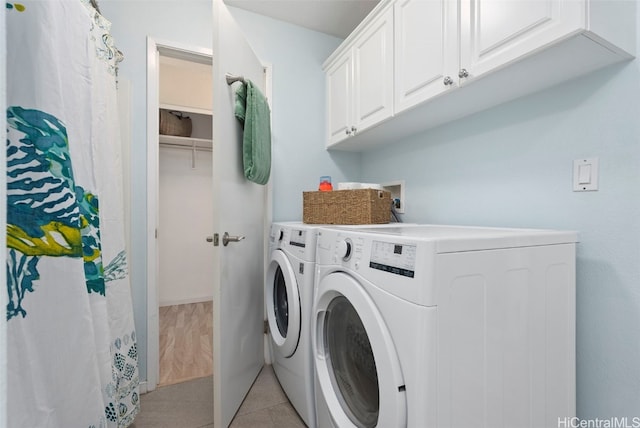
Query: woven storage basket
pixel 174 123
pixel 359 206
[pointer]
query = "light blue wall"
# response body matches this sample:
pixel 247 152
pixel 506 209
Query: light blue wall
pixel 186 22
pixel 512 166
pixel 508 166
pixel 299 157
pixel 296 55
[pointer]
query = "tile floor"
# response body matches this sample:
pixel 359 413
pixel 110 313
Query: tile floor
pixel 190 405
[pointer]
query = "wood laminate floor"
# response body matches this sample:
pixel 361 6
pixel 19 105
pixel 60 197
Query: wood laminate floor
pixel 186 342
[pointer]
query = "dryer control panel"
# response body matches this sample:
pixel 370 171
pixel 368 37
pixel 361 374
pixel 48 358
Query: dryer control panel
pixel 392 257
pixel 399 259
pixel 402 267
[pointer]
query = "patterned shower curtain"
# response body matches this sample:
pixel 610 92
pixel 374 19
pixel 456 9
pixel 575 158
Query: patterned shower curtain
pixel 71 345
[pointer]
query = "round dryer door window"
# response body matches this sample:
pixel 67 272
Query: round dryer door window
pixel 357 365
pixel 283 304
pixel 352 362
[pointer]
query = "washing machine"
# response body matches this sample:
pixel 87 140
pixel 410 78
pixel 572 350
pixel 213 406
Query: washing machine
pixel 444 326
pixel 289 298
pixel 288 293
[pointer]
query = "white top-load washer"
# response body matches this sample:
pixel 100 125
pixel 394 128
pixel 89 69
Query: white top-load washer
pixel 444 326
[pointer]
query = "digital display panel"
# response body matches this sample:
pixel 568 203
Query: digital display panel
pixel 298 238
pixel 398 259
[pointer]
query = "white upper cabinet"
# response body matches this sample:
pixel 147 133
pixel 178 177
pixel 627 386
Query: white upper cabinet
pixel 496 32
pixel 426 50
pixel 360 81
pixel 373 73
pixel 445 59
pixel 339 100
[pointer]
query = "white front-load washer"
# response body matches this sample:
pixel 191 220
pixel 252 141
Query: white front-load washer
pixel 289 297
pixel 289 290
pixel 444 326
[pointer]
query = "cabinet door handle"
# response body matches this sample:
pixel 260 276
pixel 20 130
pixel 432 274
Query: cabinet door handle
pixel 448 81
pixel 354 129
pixel 463 73
pixel 347 131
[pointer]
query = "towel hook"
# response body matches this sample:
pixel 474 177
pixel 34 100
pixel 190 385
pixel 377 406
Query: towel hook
pixel 232 79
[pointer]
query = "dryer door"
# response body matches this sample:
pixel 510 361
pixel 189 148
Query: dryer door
pixel 356 362
pixel 282 297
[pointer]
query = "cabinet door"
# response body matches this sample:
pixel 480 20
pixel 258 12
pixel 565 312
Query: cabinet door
pixel 373 73
pixel 339 101
pixel 496 32
pixel 426 50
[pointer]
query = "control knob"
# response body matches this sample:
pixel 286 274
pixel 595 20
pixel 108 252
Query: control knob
pixel 344 249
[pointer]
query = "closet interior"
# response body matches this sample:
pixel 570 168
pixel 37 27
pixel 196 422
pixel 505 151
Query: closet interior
pixel 185 219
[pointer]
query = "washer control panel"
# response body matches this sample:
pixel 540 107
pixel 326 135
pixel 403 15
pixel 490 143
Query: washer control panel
pixel 298 238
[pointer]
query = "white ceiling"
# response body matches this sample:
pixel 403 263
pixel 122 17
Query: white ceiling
pixel 335 17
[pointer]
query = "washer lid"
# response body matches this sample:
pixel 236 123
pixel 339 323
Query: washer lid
pixel 282 298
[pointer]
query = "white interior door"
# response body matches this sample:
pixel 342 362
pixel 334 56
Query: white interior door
pixel 238 301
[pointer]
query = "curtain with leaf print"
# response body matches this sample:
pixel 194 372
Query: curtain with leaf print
pixel 71 344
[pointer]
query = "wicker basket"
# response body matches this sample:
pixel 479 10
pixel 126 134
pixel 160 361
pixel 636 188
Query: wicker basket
pixel 359 206
pixel 174 123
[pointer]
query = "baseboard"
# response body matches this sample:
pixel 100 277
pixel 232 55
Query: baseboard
pixel 143 387
pixel 186 301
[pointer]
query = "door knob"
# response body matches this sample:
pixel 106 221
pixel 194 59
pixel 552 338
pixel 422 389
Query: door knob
pixel 447 81
pixel 463 73
pixel 226 238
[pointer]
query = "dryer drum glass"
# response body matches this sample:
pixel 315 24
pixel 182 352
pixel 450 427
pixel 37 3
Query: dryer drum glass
pixel 351 363
pixel 280 302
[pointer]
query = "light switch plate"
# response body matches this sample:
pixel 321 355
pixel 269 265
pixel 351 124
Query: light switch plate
pixel 585 175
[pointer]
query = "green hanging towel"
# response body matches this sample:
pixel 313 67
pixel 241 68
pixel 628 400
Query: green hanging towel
pixel 252 110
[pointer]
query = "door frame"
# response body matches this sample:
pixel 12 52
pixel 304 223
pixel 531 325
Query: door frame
pixel 182 51
pixel 154 48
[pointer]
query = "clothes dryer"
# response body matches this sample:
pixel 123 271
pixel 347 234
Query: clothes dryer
pixel 444 326
pixel 289 288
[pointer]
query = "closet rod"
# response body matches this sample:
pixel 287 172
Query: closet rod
pixel 182 146
pixel 232 79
